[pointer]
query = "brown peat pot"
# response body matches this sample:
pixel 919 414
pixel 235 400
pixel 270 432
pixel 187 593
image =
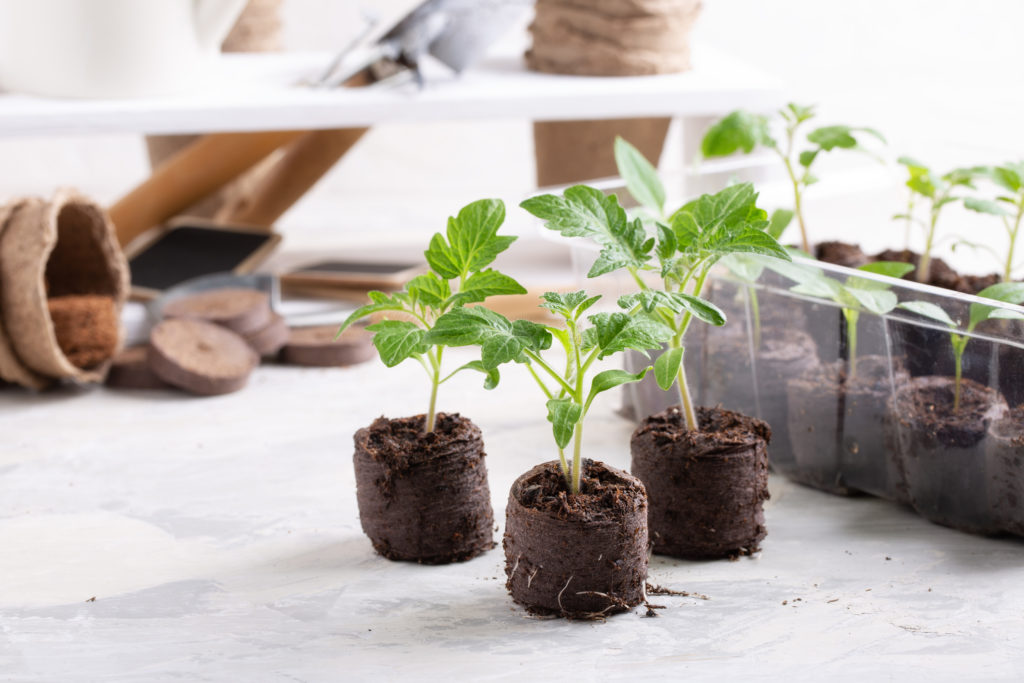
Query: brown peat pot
pixel 576 556
pixel 706 488
pixel 1006 464
pixel 943 454
pixel 834 427
pixel 424 497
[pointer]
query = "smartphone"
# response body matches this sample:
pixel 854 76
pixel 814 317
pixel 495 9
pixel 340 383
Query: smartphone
pixel 190 248
pixel 352 274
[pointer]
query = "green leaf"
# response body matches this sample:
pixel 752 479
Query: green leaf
pixel 893 269
pixel 397 340
pixel 739 130
pixel 807 157
pixel 563 415
pixel 985 206
pixel 748 241
pixel 442 259
pixel 1006 292
pixel 640 175
pixel 484 284
pixel 667 243
pixel 380 302
pixel 928 310
pixel 1009 177
pixel 500 340
pixel 800 113
pixel 473 234
pixel 491 375
pixel 830 137
pixel 429 289
pixel 780 220
pixel 609 379
pixel 472 241
pixel 570 305
pixel 666 368
pixel 877 301
pixel 584 211
pixel 677 302
pixel 747 267
pixel 614 332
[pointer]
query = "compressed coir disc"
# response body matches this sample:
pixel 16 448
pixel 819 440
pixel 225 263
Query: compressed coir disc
pixel 245 311
pixel 130 369
pixel 200 357
pixel 317 347
pixel 269 340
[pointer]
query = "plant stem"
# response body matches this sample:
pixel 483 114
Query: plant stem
pixel 577 457
pixel 1008 271
pixel 958 357
pixel 910 221
pixel 685 401
pixel 924 266
pixel 435 381
pixel 851 316
pixel 755 311
pixel 797 199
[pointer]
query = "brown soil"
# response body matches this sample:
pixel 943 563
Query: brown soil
pixel 581 556
pixel 943 454
pixel 841 254
pixel 424 497
pixel 834 426
pixel 941 275
pixel 1006 461
pixel 87 327
pixel 707 488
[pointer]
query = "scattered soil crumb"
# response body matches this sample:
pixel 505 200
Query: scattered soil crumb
pixel 650 609
pixel 661 590
pixel 93 598
pixel 832 600
pixel 887 558
pixel 785 602
pixel 866 590
pixel 929 590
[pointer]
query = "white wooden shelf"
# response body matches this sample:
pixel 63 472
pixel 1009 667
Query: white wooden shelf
pixel 259 92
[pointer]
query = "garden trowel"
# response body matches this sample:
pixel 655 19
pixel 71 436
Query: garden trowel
pixel 455 32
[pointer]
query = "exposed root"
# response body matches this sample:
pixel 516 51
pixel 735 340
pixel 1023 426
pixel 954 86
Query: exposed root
pixel 560 607
pixel 661 590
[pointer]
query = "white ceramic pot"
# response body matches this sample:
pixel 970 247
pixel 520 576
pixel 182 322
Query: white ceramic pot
pixel 111 48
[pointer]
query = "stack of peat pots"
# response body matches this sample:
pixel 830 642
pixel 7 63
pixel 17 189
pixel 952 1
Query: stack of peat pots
pixel 604 38
pixel 63 281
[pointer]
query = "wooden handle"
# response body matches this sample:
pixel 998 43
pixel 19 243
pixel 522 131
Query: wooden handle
pixel 193 173
pixel 302 165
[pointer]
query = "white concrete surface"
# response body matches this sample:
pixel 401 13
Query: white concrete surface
pixel 220 540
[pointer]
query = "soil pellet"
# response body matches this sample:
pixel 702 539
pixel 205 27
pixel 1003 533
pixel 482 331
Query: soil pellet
pixel 317 347
pixel 245 311
pixel 200 357
pixel 130 370
pixel 268 340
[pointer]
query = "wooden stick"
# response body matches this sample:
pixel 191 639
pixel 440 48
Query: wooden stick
pixel 193 173
pixel 302 165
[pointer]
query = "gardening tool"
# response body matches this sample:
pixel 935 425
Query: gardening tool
pixel 456 32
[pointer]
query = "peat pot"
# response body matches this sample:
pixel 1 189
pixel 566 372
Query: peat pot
pixel 579 556
pixel 424 497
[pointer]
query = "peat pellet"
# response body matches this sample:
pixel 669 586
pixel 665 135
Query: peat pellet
pixel 200 357
pixel 580 556
pixel 86 327
pixel 317 347
pixel 707 487
pixel 268 340
pixel 245 311
pixel 130 370
pixel 423 497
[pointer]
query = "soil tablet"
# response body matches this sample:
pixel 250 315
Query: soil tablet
pixel 200 357
pixel 130 370
pixel 269 340
pixel 317 347
pixel 245 311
